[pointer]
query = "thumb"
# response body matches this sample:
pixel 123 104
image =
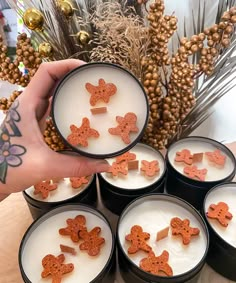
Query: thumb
pixel 69 164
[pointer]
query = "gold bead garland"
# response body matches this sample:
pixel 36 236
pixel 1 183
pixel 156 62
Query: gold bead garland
pixel 161 29
pixel 171 95
pixel 5 103
pixel 26 54
pixel 51 137
pixel 9 70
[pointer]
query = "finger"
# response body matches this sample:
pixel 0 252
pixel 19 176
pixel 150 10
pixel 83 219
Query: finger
pixel 64 165
pixel 48 75
pixel 43 116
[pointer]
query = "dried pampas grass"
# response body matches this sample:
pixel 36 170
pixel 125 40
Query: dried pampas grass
pixel 121 37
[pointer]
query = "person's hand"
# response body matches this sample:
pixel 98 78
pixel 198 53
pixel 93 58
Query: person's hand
pixel 25 159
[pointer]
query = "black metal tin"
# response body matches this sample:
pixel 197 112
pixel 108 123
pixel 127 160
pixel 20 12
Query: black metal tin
pixel 131 273
pixel 107 274
pixel 194 191
pixel 88 195
pixel 222 253
pixel 116 198
pixel 90 67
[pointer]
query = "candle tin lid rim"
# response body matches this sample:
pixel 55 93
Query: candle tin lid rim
pixel 204 212
pixel 55 211
pixel 161 196
pixel 80 150
pixel 199 138
pixel 137 190
pixel 40 202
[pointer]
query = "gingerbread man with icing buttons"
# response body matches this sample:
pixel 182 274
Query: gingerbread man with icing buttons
pixel 182 227
pixel 126 125
pixel 220 212
pixel 101 92
pixel 138 238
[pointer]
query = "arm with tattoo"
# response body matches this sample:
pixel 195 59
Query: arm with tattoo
pixel 25 159
pixel 10 154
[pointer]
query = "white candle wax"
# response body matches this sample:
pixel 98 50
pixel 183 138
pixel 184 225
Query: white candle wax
pixel 155 215
pixel 64 191
pixel 225 194
pixel 214 173
pixel 45 239
pixel 72 105
pixel 135 179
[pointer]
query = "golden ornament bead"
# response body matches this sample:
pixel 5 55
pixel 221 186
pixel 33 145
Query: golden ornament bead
pixel 183 41
pixel 226 16
pixel 33 19
pixel 194 38
pixel 232 11
pixel 201 36
pixel 215 36
pixel 214 28
pixel 225 42
pixel 233 19
pixel 45 49
pixel 66 8
pixel 148 76
pixel 194 48
pixel 210 43
pixel 83 37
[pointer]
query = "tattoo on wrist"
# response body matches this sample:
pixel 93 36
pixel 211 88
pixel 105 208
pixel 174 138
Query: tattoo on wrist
pixel 10 154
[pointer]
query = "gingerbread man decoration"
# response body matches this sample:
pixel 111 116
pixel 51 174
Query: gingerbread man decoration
pixel 101 92
pixel 80 135
pixel 92 242
pixel 181 227
pixel 195 173
pixel 184 156
pixel 138 240
pixel 74 226
pixel 127 156
pixel 220 212
pixel 55 267
pixel 150 168
pixel 77 182
pixel 117 168
pixel 156 265
pixel 126 125
pixel 44 188
pixel 216 157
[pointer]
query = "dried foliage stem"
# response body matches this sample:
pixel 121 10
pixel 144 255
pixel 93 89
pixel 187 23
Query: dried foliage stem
pixel 121 37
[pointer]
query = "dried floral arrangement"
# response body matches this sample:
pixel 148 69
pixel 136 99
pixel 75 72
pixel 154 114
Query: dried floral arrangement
pixel 182 80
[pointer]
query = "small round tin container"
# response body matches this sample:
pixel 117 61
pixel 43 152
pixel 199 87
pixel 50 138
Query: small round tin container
pixel 222 250
pixel 80 95
pixel 192 189
pixel 118 191
pixel 43 238
pixel 86 194
pixel 153 213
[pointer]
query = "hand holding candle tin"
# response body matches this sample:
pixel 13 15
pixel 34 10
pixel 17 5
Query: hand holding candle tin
pixel 96 113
